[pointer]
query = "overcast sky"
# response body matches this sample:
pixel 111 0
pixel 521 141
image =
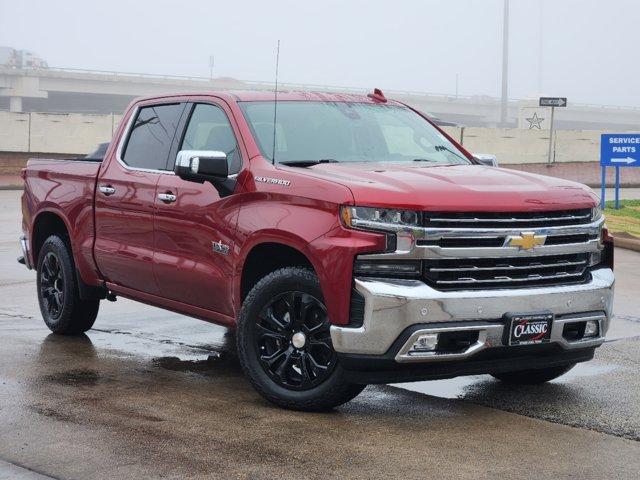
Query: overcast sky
pixel 589 47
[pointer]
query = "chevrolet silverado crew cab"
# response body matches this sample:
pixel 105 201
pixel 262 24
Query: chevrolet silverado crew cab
pixel 348 239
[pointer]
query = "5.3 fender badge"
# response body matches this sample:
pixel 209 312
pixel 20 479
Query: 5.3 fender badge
pixel 220 247
pixel 273 181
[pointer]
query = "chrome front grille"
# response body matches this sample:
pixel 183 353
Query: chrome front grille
pixel 466 251
pixel 483 273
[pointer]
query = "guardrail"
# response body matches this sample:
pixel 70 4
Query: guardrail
pixel 116 75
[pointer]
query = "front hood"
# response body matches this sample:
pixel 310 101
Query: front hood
pixel 454 188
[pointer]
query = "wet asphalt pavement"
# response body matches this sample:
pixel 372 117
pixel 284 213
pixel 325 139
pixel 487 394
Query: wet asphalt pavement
pixel 151 394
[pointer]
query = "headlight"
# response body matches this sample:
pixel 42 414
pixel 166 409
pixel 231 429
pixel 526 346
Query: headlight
pixel 371 218
pixel 596 213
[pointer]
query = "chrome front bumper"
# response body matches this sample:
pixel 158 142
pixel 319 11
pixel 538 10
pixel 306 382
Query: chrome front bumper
pixel 392 306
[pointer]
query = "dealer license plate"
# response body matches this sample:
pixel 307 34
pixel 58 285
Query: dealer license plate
pixel 529 328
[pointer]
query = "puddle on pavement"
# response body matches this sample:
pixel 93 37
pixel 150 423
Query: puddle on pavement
pixel 147 345
pixel 214 364
pixel 459 387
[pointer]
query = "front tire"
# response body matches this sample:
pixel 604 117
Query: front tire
pixel 285 347
pixel 63 311
pixel 533 376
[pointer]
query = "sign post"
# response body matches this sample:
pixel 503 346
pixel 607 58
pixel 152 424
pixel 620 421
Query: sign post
pixel 211 65
pixel 617 150
pixel 552 102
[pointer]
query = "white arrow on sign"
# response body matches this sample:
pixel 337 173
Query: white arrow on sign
pixel 627 160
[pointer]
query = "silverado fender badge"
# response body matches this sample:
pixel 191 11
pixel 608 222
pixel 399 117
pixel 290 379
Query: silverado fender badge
pixel 220 247
pixel 525 241
pixel 273 181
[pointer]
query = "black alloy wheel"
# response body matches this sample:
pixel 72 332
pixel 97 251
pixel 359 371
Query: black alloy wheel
pixel 52 285
pixel 293 342
pixel 63 309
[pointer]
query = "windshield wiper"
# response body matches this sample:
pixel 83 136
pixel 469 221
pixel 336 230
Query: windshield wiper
pixel 308 163
pixel 430 160
pixel 441 148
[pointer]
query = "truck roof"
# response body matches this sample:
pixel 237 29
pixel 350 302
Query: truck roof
pixel 283 95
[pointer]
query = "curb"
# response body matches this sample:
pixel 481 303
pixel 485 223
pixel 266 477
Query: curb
pixel 627 243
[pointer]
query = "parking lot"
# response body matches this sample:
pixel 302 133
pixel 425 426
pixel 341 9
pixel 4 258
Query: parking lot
pixel 148 393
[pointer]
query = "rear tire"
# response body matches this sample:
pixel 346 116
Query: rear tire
pixel 284 345
pixel 533 376
pixel 63 311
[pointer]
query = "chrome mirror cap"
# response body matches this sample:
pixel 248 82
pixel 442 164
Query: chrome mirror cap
pixel 486 159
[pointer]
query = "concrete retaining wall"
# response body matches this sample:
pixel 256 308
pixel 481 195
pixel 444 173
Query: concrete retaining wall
pixel 64 133
pixel 516 146
pixel 74 133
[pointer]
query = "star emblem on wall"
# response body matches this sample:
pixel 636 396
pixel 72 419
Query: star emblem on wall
pixel 535 121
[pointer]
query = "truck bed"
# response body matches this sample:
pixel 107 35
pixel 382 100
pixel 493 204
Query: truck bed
pixel 65 187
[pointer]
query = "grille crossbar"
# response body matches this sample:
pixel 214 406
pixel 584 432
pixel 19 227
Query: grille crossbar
pixel 502 219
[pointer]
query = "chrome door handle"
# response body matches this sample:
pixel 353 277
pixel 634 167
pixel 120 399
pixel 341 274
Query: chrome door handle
pixel 167 197
pixel 107 190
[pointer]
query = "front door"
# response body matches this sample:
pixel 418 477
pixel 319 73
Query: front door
pixel 126 197
pixel 195 226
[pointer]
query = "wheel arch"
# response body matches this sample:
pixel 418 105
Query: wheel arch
pixel 45 224
pixel 265 257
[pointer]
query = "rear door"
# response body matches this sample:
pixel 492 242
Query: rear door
pixel 195 226
pixel 125 199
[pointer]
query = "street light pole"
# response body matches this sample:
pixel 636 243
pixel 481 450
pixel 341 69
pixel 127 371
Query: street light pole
pixel 505 64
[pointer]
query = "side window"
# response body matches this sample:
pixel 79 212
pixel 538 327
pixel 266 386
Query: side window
pixel 209 129
pixel 151 136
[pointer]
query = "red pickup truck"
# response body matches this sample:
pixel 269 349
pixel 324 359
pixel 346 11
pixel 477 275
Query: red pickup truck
pixel 355 242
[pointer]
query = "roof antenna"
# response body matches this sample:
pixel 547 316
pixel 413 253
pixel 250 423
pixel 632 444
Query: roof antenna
pixel 275 106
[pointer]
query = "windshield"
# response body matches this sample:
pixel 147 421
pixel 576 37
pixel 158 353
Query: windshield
pixel 347 132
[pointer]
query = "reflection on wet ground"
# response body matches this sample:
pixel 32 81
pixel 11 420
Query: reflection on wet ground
pixel 460 387
pixel 143 404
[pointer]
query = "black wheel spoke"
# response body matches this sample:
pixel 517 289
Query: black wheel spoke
pixel 268 333
pixel 269 317
pixel 304 370
pixel 281 371
pixel 47 274
pixel 316 367
pixel 275 357
pixel 322 342
pixel 294 304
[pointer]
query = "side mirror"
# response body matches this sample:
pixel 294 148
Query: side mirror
pixel 486 159
pixel 202 165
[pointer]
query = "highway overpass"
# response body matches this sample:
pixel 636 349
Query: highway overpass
pixel 85 91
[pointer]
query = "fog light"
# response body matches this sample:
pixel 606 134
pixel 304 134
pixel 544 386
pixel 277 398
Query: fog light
pixel 591 328
pixel 426 343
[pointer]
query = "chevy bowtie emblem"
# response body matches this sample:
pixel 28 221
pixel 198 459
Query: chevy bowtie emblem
pixel 525 241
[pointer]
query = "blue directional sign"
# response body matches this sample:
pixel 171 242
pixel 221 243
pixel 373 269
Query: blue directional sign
pixel 620 150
